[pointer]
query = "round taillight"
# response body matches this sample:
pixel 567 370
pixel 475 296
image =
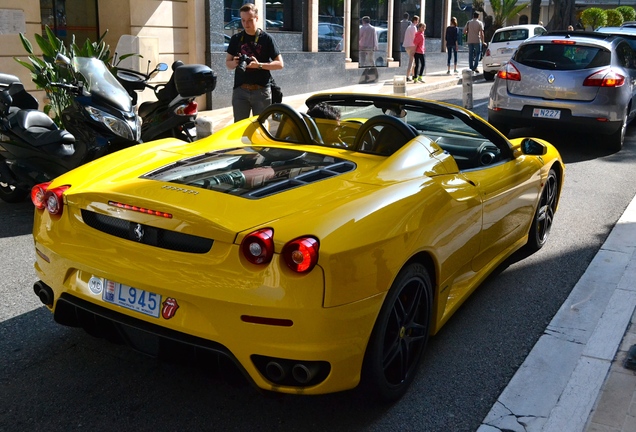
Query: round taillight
pixel 54 201
pixel 258 247
pixel 301 254
pixel 38 193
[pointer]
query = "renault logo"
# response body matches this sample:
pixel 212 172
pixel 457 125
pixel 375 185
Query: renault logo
pixel 139 232
pixel 550 78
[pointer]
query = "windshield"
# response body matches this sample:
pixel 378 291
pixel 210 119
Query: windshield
pixel 101 83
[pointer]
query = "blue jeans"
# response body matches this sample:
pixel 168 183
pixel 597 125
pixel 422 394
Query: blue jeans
pixel 452 51
pixel 474 52
pixel 246 101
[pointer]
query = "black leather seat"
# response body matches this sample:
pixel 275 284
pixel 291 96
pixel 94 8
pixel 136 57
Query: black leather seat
pixel 383 135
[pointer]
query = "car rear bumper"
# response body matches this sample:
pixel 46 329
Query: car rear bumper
pixel 260 324
pixel 567 121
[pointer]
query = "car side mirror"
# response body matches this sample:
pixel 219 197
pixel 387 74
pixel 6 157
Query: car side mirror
pixel 534 148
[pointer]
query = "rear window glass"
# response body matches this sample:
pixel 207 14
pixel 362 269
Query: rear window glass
pixel 562 57
pixel 510 35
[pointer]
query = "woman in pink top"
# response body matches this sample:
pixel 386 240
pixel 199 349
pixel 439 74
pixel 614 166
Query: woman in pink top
pixel 419 40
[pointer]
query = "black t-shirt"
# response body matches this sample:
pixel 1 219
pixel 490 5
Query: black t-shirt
pixel 262 46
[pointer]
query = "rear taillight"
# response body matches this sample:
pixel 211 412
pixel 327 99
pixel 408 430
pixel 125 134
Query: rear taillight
pixel 258 247
pixel 604 78
pixel 301 254
pixel 509 72
pixel 38 193
pixel 51 199
pixel 188 109
pixel 487 52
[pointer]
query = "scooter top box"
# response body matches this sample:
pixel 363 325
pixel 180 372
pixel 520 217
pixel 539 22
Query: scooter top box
pixel 194 80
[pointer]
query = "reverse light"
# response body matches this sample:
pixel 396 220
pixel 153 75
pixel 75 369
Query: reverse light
pixel 604 78
pixel 509 72
pixel 187 109
pixel 301 254
pixel 51 199
pixel 258 247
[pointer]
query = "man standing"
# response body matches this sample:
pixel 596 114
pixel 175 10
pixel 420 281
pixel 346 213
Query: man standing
pixel 474 31
pixel 368 42
pixel 409 46
pixel 253 54
pixel 404 24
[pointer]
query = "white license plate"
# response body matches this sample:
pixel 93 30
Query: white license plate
pixel 145 302
pixel 505 50
pixel 546 113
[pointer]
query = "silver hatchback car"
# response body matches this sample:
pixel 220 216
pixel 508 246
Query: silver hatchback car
pixel 581 81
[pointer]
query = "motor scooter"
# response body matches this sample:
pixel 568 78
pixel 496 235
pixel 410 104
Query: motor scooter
pixel 32 148
pixel 99 120
pixel 174 112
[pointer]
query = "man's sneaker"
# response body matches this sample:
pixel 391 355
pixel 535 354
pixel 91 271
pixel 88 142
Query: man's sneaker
pixel 476 71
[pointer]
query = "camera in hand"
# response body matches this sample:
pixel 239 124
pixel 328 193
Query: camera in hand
pixel 244 60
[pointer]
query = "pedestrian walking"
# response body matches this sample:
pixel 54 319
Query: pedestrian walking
pixel 452 44
pixel 474 31
pixel 367 42
pixel 420 49
pixel 409 46
pixel 404 24
pixel 252 54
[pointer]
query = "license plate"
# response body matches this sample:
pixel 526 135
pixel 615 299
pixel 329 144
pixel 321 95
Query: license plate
pixel 145 302
pixel 546 113
pixel 505 50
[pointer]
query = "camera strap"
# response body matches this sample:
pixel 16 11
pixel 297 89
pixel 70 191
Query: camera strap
pixel 258 33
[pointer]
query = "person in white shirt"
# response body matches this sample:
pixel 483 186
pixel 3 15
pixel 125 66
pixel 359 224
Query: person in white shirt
pixel 409 46
pixel 368 42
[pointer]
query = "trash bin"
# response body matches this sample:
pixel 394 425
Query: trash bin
pixel 399 84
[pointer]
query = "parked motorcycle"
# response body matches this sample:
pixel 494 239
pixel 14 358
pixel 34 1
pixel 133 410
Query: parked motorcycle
pixel 99 120
pixel 174 112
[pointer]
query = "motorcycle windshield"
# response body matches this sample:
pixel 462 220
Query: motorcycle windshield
pixel 101 83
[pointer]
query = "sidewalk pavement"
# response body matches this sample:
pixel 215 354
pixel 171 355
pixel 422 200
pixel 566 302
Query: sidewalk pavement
pixel 573 380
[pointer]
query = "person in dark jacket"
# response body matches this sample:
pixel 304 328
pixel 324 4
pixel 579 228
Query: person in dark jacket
pixel 451 44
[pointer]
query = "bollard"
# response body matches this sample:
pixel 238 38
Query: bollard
pixel 399 85
pixel 204 127
pixel 467 88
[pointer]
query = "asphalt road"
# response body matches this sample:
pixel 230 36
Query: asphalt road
pixel 55 378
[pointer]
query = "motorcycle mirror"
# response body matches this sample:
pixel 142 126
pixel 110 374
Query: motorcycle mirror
pixel 62 59
pixel 162 67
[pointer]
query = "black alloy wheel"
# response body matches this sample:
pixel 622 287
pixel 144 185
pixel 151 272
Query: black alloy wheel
pixel 400 335
pixel 544 216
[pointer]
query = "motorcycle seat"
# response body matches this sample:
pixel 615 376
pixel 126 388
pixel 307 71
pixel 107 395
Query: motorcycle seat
pixel 38 129
pixel 147 107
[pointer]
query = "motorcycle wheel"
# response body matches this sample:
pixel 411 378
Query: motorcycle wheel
pixel 12 194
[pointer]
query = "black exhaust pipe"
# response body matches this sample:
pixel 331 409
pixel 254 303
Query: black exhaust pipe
pixel 44 292
pixel 276 371
pixel 304 373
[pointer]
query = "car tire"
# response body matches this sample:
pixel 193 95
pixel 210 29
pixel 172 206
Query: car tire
pixel 489 76
pixel 616 140
pixel 399 336
pixel 12 194
pixel 544 216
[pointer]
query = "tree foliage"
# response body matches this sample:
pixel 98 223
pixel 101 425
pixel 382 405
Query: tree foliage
pixel 628 13
pixel 614 18
pixel 503 10
pixel 594 18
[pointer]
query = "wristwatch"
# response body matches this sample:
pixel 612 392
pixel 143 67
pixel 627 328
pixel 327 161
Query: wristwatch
pixel 260 66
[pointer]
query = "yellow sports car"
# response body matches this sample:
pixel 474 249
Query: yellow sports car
pixel 317 252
